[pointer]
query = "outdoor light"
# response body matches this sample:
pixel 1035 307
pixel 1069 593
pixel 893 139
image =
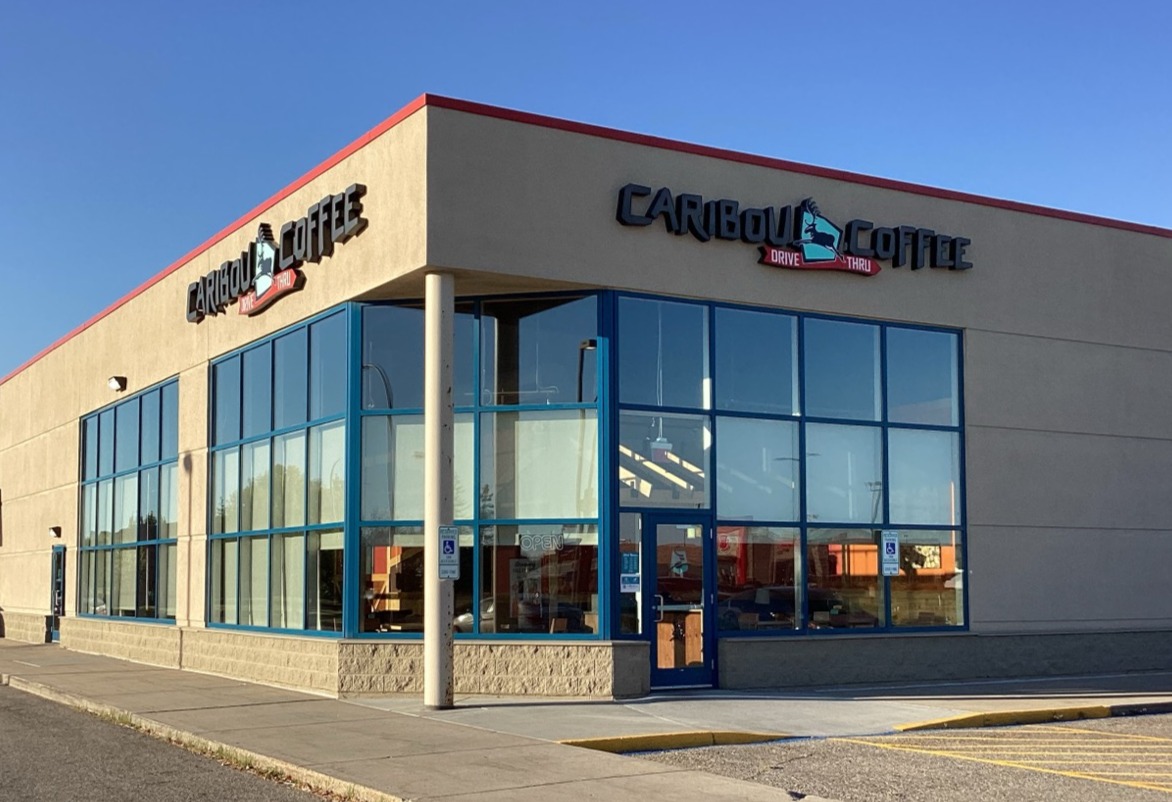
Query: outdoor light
pixel 54 531
pixel 116 383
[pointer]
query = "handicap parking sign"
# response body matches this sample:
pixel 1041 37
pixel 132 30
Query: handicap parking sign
pixel 449 558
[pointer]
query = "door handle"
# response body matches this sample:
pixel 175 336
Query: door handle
pixel 658 607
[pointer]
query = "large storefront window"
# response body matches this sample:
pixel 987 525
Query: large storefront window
pixel 806 440
pixel 526 467
pixel 278 481
pixel 129 508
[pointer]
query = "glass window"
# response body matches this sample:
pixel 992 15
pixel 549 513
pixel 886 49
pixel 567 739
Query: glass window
pixel 327 473
pixel 539 579
pixel 756 578
pixel 539 464
pixel 327 367
pixel 89 515
pixel 630 573
pixel 85 582
pixel 392 579
pixel 287 582
pixel 257 383
pixel 225 491
pixel 324 581
pixel 148 504
pixel 392 468
pixel 102 582
pixel 105 512
pixel 126 435
pixel 290 379
pixel 842 576
pixel 254 584
pixel 126 511
pixel 123 575
pixel 289 480
pixel 924 473
pixel 169 446
pixel 225 568
pixel 844 474
pixel 539 351
pixel 392 357
pixel 150 427
pixel 663 460
pixel 756 362
pixel 929 591
pixel 663 353
pixel 106 443
pixel 842 369
pixel 146 575
pixel 757 471
pixel 226 380
pixel 89 447
pixel 922 377
pixel 167 568
pixel 254 490
pixel 168 501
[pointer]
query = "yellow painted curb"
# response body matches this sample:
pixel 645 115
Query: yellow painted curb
pixel 1006 718
pixel 656 741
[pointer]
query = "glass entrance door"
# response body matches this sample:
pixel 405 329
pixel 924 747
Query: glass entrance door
pixel 57 585
pixel 679 600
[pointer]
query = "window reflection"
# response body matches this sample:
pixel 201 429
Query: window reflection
pixel 537 579
pixel 392 468
pixel 929 590
pixel 539 351
pixel 663 460
pixel 842 369
pixel 663 353
pixel 844 473
pixel 756 362
pixel 539 464
pixel 392 578
pixel 922 377
pixel 842 578
pixel 392 357
pixel 924 473
pixel 757 469
pixel 756 578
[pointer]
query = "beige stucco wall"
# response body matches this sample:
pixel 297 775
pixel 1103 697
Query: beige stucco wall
pixel 148 340
pixel 1068 346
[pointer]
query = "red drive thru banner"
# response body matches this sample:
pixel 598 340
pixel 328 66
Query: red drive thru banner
pixel 282 283
pixel 784 257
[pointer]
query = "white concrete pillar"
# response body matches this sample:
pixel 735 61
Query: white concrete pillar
pixel 438 601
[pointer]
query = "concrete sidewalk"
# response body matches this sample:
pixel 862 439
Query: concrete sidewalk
pixel 513 748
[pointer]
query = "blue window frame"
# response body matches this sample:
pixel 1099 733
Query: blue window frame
pixel 278 480
pixel 815 434
pixel 129 508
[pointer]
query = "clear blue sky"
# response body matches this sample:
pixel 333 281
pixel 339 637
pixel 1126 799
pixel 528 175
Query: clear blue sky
pixel 132 131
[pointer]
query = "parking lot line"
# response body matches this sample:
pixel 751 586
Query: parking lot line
pixel 911 743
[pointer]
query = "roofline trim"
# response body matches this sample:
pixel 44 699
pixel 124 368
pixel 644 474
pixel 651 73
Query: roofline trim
pixel 528 118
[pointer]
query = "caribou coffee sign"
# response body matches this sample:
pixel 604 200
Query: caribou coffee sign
pixel 800 237
pixel 270 269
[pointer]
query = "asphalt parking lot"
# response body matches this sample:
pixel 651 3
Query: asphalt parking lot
pixel 1126 759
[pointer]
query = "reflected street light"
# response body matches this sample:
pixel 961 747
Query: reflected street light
pixel 584 346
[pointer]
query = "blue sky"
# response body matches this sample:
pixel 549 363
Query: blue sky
pixel 132 131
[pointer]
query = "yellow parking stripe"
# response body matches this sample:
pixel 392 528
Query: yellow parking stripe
pixel 1011 764
pixel 1103 732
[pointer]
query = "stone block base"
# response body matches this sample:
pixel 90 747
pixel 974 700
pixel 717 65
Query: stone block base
pixel 27 627
pixel 864 659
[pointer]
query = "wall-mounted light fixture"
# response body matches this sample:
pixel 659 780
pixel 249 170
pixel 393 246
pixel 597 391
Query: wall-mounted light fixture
pixel 116 383
pixel 54 531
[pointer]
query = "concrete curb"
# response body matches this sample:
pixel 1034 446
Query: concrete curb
pixel 234 755
pixel 1005 718
pixel 659 741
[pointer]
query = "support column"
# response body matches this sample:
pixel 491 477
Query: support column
pixel 438 603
